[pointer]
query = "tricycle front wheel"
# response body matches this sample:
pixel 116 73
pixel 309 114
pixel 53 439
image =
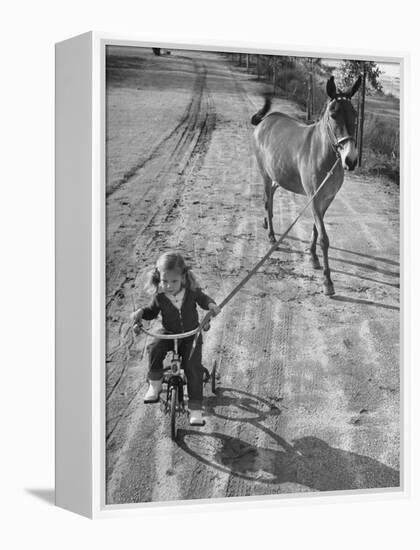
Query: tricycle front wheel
pixel 213 378
pixel 174 402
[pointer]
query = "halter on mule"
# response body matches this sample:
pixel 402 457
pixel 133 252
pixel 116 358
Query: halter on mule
pixel 297 157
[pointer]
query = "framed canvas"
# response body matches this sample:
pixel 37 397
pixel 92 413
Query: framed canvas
pixel 259 189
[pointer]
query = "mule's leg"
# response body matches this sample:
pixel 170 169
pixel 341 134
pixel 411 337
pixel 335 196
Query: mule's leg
pixel 312 248
pixel 324 244
pixel 269 190
pixel 272 189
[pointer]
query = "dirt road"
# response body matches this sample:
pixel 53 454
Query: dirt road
pixel 308 394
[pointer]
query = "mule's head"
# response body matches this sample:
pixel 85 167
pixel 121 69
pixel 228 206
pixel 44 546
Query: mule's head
pixel 341 122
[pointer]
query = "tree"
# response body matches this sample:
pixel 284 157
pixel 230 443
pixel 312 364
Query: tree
pixel 310 65
pixel 349 71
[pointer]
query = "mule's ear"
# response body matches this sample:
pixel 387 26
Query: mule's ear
pixel 355 87
pixel 331 89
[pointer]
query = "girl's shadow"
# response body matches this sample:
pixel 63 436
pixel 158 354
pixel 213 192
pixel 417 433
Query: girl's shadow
pixel 307 461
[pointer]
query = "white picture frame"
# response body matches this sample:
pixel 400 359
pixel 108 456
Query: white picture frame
pixel 80 274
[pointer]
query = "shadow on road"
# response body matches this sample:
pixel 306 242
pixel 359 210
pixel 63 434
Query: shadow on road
pixel 241 406
pixel 337 298
pixel 308 461
pixel 375 258
pixel 363 278
pixel 370 267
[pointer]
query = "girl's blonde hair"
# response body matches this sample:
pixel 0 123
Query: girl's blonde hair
pixel 170 261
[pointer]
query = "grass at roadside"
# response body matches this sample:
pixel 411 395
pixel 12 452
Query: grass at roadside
pixel 382 150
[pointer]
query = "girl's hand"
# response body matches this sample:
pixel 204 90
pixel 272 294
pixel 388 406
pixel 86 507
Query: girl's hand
pixel 214 308
pixel 136 317
pixel 137 328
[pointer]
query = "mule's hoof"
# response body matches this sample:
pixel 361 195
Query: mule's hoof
pixel 329 289
pixel 265 224
pixel 315 263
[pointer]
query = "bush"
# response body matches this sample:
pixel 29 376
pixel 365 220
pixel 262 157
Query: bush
pixel 382 135
pixel 381 154
pixel 380 165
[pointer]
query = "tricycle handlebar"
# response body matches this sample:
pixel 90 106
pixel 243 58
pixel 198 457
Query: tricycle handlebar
pixel 170 336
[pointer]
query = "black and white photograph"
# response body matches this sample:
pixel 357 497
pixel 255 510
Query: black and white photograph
pixel 252 274
pixel 210 299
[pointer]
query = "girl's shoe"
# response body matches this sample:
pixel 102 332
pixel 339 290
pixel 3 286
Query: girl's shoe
pixel 196 418
pixel 152 394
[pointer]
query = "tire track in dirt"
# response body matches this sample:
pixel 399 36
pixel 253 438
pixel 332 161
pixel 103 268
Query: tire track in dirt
pixel 257 431
pixel 136 455
pixel 181 160
pixel 173 138
pixel 174 160
pixel 162 178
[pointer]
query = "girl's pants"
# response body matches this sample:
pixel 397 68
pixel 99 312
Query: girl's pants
pixel 192 368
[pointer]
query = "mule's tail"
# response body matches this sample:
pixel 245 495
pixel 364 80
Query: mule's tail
pixel 259 115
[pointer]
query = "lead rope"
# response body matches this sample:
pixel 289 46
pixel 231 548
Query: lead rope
pixel 263 259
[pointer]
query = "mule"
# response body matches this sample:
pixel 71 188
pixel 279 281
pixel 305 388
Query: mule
pixel 297 157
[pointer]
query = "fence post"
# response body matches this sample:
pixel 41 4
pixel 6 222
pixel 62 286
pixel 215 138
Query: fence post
pixel 362 115
pixel 309 99
pixel 274 74
pixel 359 96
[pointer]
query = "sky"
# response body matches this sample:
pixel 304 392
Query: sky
pixel 389 69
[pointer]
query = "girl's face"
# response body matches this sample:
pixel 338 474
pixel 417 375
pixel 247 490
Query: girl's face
pixel 171 281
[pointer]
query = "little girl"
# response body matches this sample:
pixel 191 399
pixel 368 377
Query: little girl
pixel 176 294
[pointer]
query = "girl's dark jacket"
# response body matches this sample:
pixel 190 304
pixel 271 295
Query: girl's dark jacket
pixel 173 319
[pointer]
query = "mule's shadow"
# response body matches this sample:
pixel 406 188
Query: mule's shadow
pixel 347 299
pixel 362 265
pixel 352 252
pixel 364 278
pixel 308 461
